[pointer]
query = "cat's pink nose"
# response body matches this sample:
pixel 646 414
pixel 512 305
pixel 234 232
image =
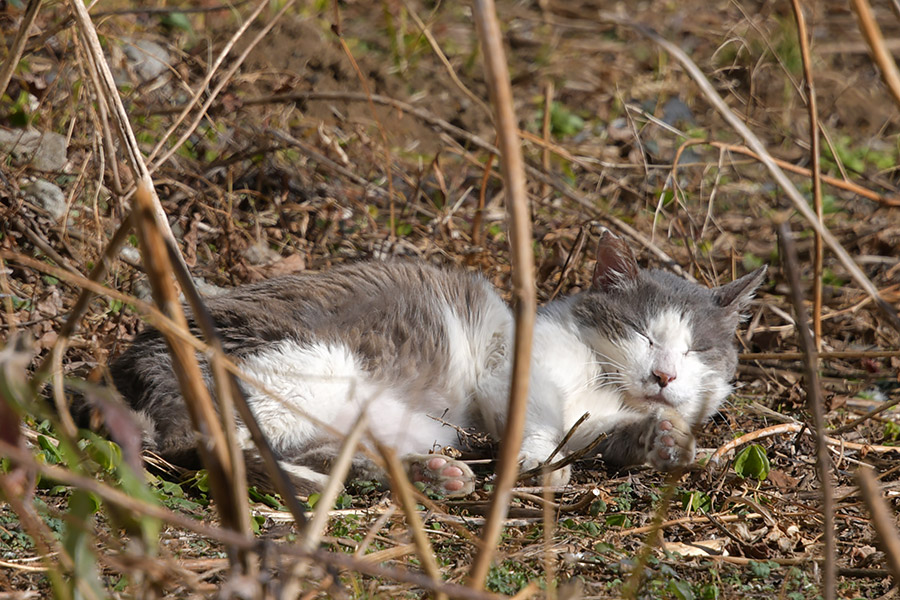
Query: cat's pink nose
pixel 663 377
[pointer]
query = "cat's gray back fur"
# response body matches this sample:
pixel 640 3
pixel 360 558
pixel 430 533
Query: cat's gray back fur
pixel 391 315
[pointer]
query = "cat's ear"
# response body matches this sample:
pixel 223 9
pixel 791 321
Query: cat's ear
pixel 737 294
pixel 615 262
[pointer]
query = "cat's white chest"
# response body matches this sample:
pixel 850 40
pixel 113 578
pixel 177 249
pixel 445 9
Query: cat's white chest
pixel 563 359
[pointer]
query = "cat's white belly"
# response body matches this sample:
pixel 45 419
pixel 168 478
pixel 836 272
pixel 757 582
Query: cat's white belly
pixel 309 393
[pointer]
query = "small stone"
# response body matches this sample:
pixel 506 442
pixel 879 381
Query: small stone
pixel 45 150
pixel 148 59
pixel 49 197
pixel 260 254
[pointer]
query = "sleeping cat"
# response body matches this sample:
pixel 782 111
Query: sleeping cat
pixel 646 353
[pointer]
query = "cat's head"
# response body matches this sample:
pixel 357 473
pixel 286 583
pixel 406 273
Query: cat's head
pixel 660 339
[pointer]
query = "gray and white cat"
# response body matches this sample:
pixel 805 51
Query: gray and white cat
pixel 646 353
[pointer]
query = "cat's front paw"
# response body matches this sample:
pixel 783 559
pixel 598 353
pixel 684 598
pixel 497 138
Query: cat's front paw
pixel 671 444
pixel 440 474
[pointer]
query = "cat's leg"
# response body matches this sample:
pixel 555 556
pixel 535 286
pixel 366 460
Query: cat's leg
pixel 662 439
pixel 544 420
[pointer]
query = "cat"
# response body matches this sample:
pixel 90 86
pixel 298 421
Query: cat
pixel 647 354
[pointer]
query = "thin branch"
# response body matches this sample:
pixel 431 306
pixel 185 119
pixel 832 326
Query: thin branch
pixel 203 86
pixel 852 355
pixel 816 406
pixel 883 521
pixel 513 169
pixel 832 181
pixel 795 428
pixel 229 387
pixel 403 492
pixel 213 447
pixel 17 48
pixel 819 249
pixel 880 53
pixel 228 537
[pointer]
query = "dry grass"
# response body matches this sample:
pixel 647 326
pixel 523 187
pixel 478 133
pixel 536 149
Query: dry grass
pixel 299 149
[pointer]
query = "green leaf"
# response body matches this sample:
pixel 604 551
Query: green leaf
pixel 177 20
pixel 50 450
pixel 680 589
pixel 752 462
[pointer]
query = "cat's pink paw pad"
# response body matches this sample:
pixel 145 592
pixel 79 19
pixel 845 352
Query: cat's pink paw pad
pixel 672 444
pixel 441 475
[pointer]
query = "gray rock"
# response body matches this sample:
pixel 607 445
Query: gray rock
pixel 148 59
pixel 676 112
pixel 49 197
pixel 45 150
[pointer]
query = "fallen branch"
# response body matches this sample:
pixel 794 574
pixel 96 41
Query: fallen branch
pixel 795 428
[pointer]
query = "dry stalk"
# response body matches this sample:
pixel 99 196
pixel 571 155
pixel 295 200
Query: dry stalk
pixel 765 157
pixel 545 133
pixel 832 181
pixel 242 541
pixel 18 46
pixel 231 396
pixel 161 322
pixel 388 158
pixel 203 86
pixel 315 528
pixel 108 94
pixel 853 355
pixel 819 249
pixel 451 72
pixel 880 53
pixel 51 362
pixel 213 447
pixel 512 167
pixel 403 491
pixel 882 520
pixel 225 79
pixel 816 406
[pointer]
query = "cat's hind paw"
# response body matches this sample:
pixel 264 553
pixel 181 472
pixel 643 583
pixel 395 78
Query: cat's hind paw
pixel 440 474
pixel 672 444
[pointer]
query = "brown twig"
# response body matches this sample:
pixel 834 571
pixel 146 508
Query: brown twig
pixel 880 54
pixel 14 54
pixel 233 68
pixel 795 428
pixel 228 537
pixel 228 388
pixel 386 147
pixel 213 447
pixel 883 521
pixel 832 181
pixel 403 491
pixel 203 87
pixel 545 132
pixel 535 173
pixel 857 355
pixel 816 405
pixel 108 94
pixel 819 249
pixel 873 413
pixel 512 167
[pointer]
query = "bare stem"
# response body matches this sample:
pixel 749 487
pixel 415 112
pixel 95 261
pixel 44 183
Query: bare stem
pixel 512 167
